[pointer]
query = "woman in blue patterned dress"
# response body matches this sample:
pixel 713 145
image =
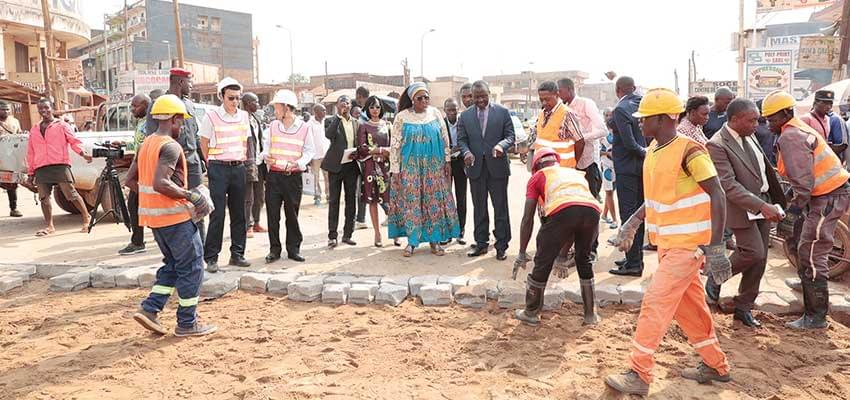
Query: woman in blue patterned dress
pixel 422 207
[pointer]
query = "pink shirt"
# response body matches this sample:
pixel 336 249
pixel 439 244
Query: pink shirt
pixel 52 147
pixel 820 125
pixel 592 129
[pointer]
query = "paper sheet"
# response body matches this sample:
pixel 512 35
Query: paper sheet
pixel 346 155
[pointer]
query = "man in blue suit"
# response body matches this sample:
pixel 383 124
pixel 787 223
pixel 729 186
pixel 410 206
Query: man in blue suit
pixel 629 150
pixel 485 132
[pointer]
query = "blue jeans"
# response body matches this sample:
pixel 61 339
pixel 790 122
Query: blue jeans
pixel 183 254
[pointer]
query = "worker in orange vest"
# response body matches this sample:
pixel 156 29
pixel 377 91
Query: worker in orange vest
pixel 685 213
pixel 570 214
pixel 160 177
pixel 821 197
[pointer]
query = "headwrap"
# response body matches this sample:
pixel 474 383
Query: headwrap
pixel 414 88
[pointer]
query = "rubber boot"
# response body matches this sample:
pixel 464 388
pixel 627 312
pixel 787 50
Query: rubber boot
pixel 588 298
pixel 815 306
pixel 533 302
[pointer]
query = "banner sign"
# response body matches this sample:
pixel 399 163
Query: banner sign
pixel 768 70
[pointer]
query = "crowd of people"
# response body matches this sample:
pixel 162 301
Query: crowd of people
pixel 696 178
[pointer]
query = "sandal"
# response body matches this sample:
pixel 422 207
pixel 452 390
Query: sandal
pixel 437 250
pixel 408 251
pixel 378 244
pixel 44 232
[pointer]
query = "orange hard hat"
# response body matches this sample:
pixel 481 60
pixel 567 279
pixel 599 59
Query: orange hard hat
pixel 539 154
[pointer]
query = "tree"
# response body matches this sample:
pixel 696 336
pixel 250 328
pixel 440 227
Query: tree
pixel 298 79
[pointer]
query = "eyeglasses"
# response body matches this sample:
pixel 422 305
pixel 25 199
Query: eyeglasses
pixel 422 98
pixel 234 98
pixel 375 107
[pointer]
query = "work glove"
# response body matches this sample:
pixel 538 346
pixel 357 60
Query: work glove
pixel 626 235
pixel 521 261
pixel 785 228
pixel 201 203
pixel 716 262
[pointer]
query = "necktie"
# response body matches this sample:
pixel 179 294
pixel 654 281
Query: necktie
pixel 748 149
pixel 481 121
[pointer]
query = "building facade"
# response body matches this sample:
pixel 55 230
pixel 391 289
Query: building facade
pixel 519 91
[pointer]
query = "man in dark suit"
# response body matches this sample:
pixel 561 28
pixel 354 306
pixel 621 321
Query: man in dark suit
pixel 341 130
pixel 458 167
pixel 629 151
pixel 485 133
pixel 751 186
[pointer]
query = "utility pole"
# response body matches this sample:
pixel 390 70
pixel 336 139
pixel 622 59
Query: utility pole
pixel 405 73
pixel 50 53
pixel 326 78
pixel 742 52
pixel 845 41
pixel 126 37
pixel 179 33
pixel 106 58
pixel 676 80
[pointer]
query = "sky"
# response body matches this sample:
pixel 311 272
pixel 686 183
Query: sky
pixel 646 39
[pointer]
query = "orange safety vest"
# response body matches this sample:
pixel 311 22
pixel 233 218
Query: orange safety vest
pixel 157 210
pixel 285 147
pixel 231 138
pixel 565 186
pixel 548 136
pixel 676 217
pixel 827 170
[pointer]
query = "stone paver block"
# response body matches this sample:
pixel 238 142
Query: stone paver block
pixel 511 294
pixel 311 277
pixel 398 280
pixel 335 293
pixel 362 293
pixel 436 295
pixel 631 294
pixel 554 296
pixel 391 294
pixel 339 279
pixel 417 282
pixel 254 282
pixel 306 290
pixel 794 283
pixel 220 284
pixel 71 281
pixel 104 278
pixel 24 269
pixel 279 283
pixel 47 271
pixel 8 283
pixel 771 302
pixel 474 296
pixel 456 281
pixel 129 278
pixel 794 300
pixel 573 291
pixel 490 285
pixel 367 280
pixel 606 295
pixel 148 277
pixel 838 303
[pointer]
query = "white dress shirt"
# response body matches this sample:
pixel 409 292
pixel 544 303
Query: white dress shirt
pixel 756 150
pixel 307 151
pixel 320 142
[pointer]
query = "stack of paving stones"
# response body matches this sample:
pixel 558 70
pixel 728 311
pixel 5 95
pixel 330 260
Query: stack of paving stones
pixel 14 276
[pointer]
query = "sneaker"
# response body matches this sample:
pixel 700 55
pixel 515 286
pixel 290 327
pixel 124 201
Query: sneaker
pixel 613 225
pixel 704 374
pixel 197 329
pixel 628 383
pixel 212 266
pixel 606 220
pixel 360 225
pixel 15 213
pixel 149 321
pixel 131 249
pixel 317 202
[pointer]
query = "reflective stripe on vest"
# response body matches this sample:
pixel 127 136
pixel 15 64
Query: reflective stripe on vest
pixel 674 219
pixel 155 209
pixel 827 170
pixel 285 147
pixel 547 136
pixel 230 137
pixel 565 186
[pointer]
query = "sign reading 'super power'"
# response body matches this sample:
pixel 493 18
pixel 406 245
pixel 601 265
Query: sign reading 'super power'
pixel 768 70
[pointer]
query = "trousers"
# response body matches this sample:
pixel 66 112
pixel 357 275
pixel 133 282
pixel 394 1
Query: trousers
pixel 13 198
pixel 594 182
pixel 818 233
pixel 183 270
pixel 318 179
pixel 345 179
pixel 629 199
pixel 577 225
pixel 227 188
pixel 284 190
pixel 497 190
pixel 138 236
pixel 749 260
pixel 675 292
pixel 255 196
pixel 460 182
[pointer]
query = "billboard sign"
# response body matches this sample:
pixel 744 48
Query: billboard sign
pixel 768 70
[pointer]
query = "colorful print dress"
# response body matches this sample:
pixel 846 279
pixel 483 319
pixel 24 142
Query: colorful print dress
pixel 376 169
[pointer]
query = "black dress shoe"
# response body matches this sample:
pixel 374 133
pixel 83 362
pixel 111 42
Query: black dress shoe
pixel 478 251
pixel 650 247
pixel 349 242
pixel 746 318
pixel 270 258
pixel 332 243
pixel 296 257
pixel 712 290
pixel 445 242
pixel 460 241
pixel 239 262
pixel 501 256
pixel 621 263
pixel 626 271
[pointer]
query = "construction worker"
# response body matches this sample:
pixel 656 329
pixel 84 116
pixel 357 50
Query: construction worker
pixel 288 150
pixel 820 197
pixel 225 132
pixel 557 127
pixel 160 175
pixel 685 212
pixel 570 214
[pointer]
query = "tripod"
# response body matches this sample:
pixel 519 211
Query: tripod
pixel 109 182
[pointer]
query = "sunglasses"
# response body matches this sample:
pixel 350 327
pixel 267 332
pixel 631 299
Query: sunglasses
pixel 422 98
pixel 234 98
pixel 375 107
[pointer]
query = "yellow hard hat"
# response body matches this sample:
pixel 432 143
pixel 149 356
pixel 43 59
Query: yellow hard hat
pixel 659 101
pixel 168 105
pixel 777 101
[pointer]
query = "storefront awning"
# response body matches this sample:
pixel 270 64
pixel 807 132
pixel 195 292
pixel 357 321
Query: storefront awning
pixel 14 91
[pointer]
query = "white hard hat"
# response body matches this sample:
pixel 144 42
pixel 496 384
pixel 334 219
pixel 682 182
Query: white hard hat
pixel 227 81
pixel 285 96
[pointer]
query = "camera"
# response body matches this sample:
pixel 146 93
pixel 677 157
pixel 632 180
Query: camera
pixel 114 151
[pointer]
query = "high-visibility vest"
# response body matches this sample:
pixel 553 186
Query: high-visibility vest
pixel 285 147
pixel 565 186
pixel 547 136
pixel 827 170
pixel 676 217
pixel 157 210
pixel 231 138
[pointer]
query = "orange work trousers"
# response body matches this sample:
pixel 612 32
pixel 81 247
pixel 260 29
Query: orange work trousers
pixel 675 292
